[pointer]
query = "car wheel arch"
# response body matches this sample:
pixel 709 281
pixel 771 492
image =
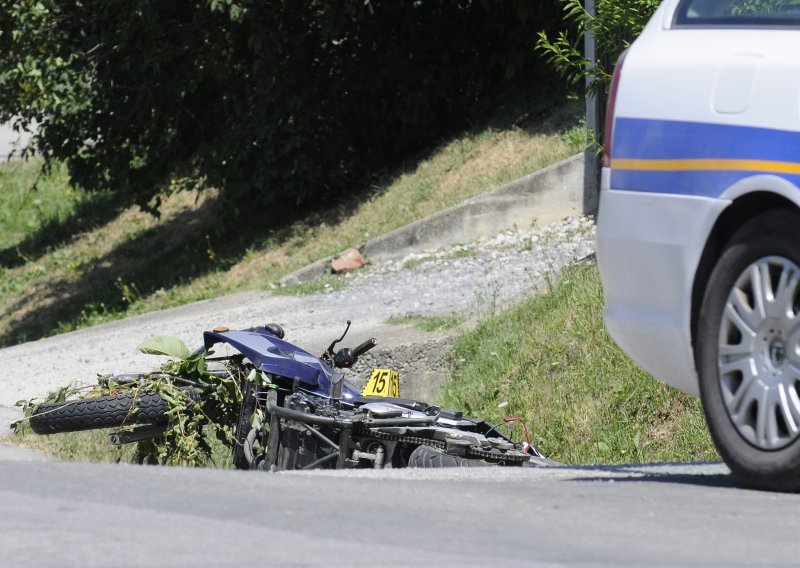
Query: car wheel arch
pixel 732 217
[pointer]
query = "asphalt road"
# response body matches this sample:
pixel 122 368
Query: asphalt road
pixel 88 515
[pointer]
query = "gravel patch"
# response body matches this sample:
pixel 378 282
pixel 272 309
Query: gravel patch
pixel 472 279
pixel 475 278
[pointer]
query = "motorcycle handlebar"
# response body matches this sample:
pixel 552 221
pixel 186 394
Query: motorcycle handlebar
pixel 347 357
pixel 364 347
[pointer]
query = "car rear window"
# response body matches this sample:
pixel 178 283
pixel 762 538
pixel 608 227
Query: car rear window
pixel 738 13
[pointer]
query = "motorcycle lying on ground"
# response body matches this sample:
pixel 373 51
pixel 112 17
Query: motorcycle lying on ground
pixel 295 411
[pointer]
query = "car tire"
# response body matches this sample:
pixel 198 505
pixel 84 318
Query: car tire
pixel 748 352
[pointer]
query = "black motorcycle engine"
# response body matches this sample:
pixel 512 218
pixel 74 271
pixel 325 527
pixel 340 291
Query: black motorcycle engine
pixel 298 446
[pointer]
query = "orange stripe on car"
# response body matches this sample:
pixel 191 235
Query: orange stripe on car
pixel 712 164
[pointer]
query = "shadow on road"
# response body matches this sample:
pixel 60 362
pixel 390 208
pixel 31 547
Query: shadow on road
pixel 705 474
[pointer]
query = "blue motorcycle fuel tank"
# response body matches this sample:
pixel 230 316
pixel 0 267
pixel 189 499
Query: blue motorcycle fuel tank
pixel 279 357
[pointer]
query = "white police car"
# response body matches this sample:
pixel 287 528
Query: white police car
pixel 699 220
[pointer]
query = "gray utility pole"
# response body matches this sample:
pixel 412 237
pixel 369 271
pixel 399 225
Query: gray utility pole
pixel 591 172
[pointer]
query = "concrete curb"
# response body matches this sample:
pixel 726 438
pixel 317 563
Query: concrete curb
pixel 544 197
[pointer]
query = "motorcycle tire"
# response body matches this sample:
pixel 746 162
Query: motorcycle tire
pixel 101 412
pixel 425 456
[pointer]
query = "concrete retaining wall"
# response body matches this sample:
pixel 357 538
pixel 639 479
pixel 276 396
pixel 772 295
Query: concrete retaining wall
pixel 543 197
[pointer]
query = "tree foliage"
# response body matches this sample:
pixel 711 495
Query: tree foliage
pixel 269 100
pixel 614 24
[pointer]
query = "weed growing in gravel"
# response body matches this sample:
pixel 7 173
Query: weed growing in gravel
pixel 486 298
pixel 453 253
pixel 412 263
pixel 328 283
pixel 584 401
pixel 428 323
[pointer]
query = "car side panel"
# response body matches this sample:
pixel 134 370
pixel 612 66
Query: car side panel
pixel 648 249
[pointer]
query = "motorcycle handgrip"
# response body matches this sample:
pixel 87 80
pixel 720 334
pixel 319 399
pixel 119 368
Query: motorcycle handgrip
pixel 364 347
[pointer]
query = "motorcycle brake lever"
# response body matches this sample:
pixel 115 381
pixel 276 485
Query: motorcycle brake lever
pixel 329 351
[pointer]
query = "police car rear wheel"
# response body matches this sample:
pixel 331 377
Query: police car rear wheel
pixel 748 352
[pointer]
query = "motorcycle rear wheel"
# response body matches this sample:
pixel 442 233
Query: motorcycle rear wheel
pixel 427 457
pixel 101 412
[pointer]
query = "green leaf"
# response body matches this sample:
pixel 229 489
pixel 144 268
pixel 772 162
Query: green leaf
pixel 20 426
pixel 60 394
pixel 165 345
pixel 169 400
pixel 257 419
pixel 262 380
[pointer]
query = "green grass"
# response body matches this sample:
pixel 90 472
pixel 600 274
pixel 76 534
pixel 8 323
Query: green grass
pixel 583 400
pixel 29 201
pixel 428 323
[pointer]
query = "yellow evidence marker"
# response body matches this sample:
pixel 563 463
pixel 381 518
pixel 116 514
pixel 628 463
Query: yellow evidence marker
pixel 382 382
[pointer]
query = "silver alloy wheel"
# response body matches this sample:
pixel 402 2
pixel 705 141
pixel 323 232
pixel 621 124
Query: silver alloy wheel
pixel 759 353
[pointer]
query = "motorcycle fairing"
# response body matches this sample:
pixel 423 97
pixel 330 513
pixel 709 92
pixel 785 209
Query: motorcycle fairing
pixel 273 355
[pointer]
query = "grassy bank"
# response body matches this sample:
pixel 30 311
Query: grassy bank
pixel 583 400
pixel 70 259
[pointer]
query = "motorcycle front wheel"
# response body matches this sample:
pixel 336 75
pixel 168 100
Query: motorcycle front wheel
pixel 100 412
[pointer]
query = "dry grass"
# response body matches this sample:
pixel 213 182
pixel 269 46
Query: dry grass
pixel 93 446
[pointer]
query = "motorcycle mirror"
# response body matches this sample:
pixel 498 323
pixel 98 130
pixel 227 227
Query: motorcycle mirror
pixel 275 330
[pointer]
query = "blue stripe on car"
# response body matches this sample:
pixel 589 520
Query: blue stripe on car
pixel 645 139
